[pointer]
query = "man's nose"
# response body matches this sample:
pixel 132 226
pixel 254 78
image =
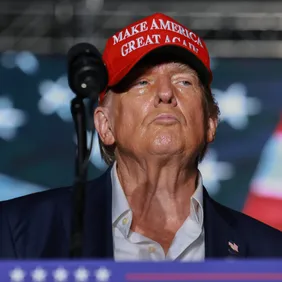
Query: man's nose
pixel 165 92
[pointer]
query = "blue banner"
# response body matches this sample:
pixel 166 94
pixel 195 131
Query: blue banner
pixel 106 271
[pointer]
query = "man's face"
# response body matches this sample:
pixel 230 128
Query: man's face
pixel 159 111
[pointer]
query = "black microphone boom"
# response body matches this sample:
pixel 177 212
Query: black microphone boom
pixel 87 74
pixel 87 78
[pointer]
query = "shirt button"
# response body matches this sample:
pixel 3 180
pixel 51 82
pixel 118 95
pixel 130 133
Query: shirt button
pixel 125 221
pixel 152 249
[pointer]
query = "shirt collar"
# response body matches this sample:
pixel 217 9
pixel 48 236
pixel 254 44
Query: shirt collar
pixel 120 204
pixel 196 202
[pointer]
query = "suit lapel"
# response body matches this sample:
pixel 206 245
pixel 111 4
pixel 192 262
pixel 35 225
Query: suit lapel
pixel 98 241
pixel 222 238
pixel 222 235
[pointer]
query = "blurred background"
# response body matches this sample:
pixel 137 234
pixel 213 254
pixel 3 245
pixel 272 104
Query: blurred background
pixel 37 146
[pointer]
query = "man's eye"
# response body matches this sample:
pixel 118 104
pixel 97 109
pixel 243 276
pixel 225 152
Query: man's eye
pixel 139 84
pixel 142 82
pixel 185 82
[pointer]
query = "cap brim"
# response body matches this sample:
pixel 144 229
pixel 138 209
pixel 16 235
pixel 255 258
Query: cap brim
pixel 169 51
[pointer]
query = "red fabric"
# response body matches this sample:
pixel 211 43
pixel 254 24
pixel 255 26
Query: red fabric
pixel 125 48
pixel 278 129
pixel 265 209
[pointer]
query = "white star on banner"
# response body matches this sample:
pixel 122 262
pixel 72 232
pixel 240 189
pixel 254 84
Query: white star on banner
pixel 60 274
pixel 235 106
pixel 17 275
pixel 214 171
pixel 38 274
pixel 56 98
pixel 102 274
pixel 10 119
pixel 25 61
pixel 81 274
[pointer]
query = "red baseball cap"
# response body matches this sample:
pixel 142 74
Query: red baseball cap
pixel 127 47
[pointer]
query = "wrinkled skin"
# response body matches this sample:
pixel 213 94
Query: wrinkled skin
pixel 156 121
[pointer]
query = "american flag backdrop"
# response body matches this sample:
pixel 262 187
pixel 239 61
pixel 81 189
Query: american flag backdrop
pixel 242 168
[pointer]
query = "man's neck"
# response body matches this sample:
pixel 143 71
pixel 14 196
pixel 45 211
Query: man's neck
pixel 157 192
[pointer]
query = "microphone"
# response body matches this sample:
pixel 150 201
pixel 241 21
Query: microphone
pixel 87 78
pixel 87 74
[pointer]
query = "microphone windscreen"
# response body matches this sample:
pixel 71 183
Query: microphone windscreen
pixel 87 74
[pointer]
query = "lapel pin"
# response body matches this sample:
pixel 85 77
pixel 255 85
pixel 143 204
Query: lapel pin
pixel 233 247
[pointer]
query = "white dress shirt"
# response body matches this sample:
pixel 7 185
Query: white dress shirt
pixel 187 245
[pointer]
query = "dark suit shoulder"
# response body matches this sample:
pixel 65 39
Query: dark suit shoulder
pixel 26 222
pixel 38 224
pixel 36 200
pixel 247 221
pixel 46 199
pixel 262 239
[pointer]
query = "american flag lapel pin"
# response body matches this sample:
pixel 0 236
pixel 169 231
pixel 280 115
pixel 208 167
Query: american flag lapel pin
pixel 233 248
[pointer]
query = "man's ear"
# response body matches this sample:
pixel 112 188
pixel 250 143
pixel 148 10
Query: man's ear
pixel 212 126
pixel 103 125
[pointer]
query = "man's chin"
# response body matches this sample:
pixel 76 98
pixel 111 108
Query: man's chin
pixel 165 150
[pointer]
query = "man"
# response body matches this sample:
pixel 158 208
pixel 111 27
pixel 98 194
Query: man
pixel 154 121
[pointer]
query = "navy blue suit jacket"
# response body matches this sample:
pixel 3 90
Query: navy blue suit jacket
pixel 38 226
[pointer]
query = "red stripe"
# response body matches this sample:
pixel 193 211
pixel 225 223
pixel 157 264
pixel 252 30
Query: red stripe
pixel 204 276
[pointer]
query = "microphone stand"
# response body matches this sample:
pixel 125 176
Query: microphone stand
pixel 79 117
pixel 87 77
